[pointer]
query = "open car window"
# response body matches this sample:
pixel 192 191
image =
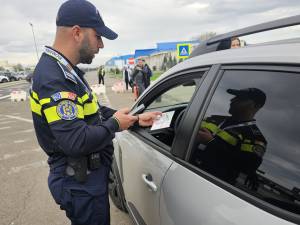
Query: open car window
pixel 180 94
pixel 171 97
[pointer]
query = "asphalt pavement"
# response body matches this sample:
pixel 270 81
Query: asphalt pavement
pixel 24 195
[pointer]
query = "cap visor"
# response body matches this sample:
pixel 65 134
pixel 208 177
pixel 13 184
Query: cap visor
pixel 106 32
pixel 233 91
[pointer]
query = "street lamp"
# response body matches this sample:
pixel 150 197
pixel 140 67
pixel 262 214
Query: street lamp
pixel 37 55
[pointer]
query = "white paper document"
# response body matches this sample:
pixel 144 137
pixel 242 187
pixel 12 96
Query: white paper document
pixel 164 121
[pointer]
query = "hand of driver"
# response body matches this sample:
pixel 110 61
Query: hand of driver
pixel 146 119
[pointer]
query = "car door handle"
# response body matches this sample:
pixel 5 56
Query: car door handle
pixel 148 180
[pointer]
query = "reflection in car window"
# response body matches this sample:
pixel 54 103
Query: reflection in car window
pixel 249 136
pixel 177 95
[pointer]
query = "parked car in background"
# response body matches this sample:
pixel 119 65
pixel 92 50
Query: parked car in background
pixel 29 77
pixel 11 75
pixel 206 167
pixel 3 79
pixel 21 75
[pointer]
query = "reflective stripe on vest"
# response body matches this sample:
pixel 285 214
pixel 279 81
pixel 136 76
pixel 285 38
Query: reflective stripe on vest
pixel 52 116
pixel 224 135
pixel 35 107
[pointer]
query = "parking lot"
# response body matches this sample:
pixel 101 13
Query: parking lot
pixel 24 195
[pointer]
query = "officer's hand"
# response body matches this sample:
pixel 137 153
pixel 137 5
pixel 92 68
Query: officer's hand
pixel 125 110
pixel 125 120
pixel 146 119
pixel 204 135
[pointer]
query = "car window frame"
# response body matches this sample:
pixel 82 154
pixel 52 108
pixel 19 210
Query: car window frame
pixel 281 213
pixel 169 81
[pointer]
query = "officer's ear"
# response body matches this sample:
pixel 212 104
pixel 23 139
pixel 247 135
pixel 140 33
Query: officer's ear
pixel 77 33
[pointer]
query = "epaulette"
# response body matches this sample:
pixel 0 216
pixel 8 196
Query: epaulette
pixel 67 73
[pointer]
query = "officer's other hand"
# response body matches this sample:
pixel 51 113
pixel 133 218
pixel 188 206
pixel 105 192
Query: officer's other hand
pixel 204 135
pixel 146 119
pixel 125 110
pixel 125 120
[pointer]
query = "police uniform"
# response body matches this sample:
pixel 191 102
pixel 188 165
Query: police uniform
pixel 76 133
pixel 236 147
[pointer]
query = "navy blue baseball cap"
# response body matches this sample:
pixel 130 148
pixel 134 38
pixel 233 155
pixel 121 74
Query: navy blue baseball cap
pixel 83 14
pixel 254 94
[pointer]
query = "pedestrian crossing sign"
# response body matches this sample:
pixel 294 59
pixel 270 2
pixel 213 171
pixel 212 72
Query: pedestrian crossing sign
pixel 183 50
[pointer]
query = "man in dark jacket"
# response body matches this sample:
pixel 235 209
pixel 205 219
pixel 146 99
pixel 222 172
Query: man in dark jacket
pixel 73 129
pixel 139 77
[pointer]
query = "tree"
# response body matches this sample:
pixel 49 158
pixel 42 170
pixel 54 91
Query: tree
pixel 174 61
pixel 18 67
pixel 206 36
pixel 170 62
pixel 2 68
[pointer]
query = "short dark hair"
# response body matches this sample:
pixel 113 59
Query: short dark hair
pixel 236 38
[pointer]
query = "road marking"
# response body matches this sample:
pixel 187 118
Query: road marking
pixel 5 122
pixel 33 165
pixel 4 128
pixel 5 96
pixel 19 141
pixel 25 131
pixel 19 118
pixel 23 152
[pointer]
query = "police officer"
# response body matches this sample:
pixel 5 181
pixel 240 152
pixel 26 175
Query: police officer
pixel 233 144
pixel 73 129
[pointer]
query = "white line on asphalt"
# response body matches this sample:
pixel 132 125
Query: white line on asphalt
pixel 4 128
pixel 5 122
pixel 5 96
pixel 23 152
pixel 19 141
pixel 25 131
pixel 19 169
pixel 19 118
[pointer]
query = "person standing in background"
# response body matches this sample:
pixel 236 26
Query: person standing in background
pixel 101 74
pixel 147 72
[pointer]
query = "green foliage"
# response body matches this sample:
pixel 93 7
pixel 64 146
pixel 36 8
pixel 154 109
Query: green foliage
pixel 18 67
pixel 155 75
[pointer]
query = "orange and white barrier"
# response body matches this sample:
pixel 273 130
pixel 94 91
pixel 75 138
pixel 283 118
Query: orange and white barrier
pixel 118 87
pixel 17 96
pixel 98 89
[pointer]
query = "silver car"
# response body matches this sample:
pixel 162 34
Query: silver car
pixel 209 166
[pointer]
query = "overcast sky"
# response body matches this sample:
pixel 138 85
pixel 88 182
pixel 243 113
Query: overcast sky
pixel 139 23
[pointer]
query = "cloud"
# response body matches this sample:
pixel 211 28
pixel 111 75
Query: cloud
pixel 140 24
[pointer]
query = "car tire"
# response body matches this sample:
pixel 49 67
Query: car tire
pixel 4 81
pixel 116 190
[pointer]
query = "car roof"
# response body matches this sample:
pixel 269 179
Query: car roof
pixel 281 53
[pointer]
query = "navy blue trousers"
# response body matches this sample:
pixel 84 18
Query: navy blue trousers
pixel 84 204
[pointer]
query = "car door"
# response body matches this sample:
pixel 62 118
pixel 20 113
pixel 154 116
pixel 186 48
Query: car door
pixel 145 154
pixel 192 195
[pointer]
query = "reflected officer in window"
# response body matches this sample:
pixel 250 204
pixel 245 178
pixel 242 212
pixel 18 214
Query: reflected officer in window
pixel 232 144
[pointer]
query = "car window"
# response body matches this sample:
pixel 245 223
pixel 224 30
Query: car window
pixel 179 94
pixel 172 96
pixel 249 136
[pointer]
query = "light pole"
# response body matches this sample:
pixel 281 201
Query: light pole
pixel 37 55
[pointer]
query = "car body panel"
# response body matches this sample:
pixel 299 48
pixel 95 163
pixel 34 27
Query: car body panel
pixel 196 201
pixel 139 158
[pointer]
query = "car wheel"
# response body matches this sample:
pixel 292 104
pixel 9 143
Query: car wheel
pixel 4 81
pixel 116 192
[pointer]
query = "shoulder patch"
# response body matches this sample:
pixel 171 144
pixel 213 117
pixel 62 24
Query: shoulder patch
pixel 63 95
pixel 67 110
pixel 67 73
